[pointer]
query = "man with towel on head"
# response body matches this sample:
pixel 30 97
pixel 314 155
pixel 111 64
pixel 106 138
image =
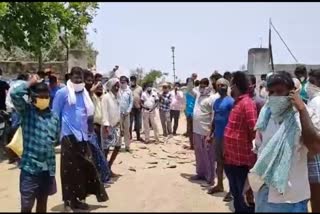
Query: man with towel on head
pixel 110 128
pixel 79 176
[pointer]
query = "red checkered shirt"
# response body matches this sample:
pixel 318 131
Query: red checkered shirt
pixel 239 133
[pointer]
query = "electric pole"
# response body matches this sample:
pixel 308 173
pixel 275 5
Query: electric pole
pixel 173 65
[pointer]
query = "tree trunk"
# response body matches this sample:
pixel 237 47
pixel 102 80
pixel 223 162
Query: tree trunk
pixel 40 60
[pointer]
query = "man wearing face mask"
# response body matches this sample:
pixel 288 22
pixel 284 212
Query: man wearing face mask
pixel 164 110
pixel 40 129
pixel 111 118
pixel 176 106
pixel 313 92
pixel 74 107
pixel 237 142
pixel 97 90
pixel 94 135
pixel 135 115
pixel 302 74
pixel 280 175
pixel 126 103
pixel 221 108
pixel 149 102
pixel 202 120
pixel 252 92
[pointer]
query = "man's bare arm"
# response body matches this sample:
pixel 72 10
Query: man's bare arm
pixel 310 135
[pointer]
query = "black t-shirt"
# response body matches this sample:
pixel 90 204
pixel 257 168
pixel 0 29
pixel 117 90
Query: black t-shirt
pixel 4 87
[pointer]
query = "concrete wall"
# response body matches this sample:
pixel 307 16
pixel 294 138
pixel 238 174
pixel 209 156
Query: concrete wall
pixel 12 68
pixel 76 58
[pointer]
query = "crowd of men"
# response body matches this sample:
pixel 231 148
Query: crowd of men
pixel 265 139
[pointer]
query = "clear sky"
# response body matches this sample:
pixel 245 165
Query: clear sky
pixel 207 36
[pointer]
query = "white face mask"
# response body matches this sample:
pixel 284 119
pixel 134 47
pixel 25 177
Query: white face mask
pixel 312 90
pixel 78 87
pixel 123 85
pixel 278 105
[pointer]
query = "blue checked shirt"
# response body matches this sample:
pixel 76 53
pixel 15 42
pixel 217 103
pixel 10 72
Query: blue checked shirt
pixel 40 134
pixel 165 102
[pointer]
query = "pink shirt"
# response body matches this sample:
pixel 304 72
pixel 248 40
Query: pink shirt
pixel 177 102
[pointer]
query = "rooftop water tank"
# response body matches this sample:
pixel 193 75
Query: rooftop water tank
pixel 258 61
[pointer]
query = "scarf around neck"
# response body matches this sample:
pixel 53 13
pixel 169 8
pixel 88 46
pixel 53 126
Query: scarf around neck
pixel 72 99
pixel 275 159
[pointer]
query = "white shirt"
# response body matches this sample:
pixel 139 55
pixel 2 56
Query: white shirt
pixel 177 102
pixel 314 104
pixel 203 113
pixel 298 188
pixel 149 99
pixel 110 106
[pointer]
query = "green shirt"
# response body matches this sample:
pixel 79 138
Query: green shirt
pixel 40 134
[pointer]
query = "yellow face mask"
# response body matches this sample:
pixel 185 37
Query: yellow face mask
pixel 42 103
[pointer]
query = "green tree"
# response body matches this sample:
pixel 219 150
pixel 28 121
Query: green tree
pixel 35 26
pixel 151 76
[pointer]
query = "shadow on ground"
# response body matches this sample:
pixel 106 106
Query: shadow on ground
pixel 60 208
pixel 188 176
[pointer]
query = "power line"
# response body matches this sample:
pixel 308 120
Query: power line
pixel 283 42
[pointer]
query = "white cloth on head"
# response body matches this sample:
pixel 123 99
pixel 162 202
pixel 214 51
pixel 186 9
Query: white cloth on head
pixel 111 82
pixel 222 81
pixel 86 97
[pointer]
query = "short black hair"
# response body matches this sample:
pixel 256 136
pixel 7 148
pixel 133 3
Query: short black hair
pixel 227 75
pixel 124 78
pixel 263 77
pixel 41 74
pixel 133 78
pixel 252 79
pixel 241 81
pixel 177 84
pixel 87 73
pixel 315 73
pixel 67 77
pixel 215 76
pixel 300 70
pixel 196 83
pixel 76 71
pixel 97 75
pixel 280 78
pixel 53 79
pixel 204 81
pixel 23 77
pixel 40 87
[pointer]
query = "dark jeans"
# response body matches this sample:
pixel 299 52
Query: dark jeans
pixel 135 116
pixel 237 176
pixel 35 187
pixel 97 130
pixel 175 115
pixel 190 130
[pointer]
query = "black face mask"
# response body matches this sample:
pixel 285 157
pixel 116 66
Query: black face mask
pixel 88 87
pixel 222 91
pixel 99 94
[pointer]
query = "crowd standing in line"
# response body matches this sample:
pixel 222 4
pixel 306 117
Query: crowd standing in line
pixel 264 136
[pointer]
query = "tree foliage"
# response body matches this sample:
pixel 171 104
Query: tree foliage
pixel 35 26
pixel 152 76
